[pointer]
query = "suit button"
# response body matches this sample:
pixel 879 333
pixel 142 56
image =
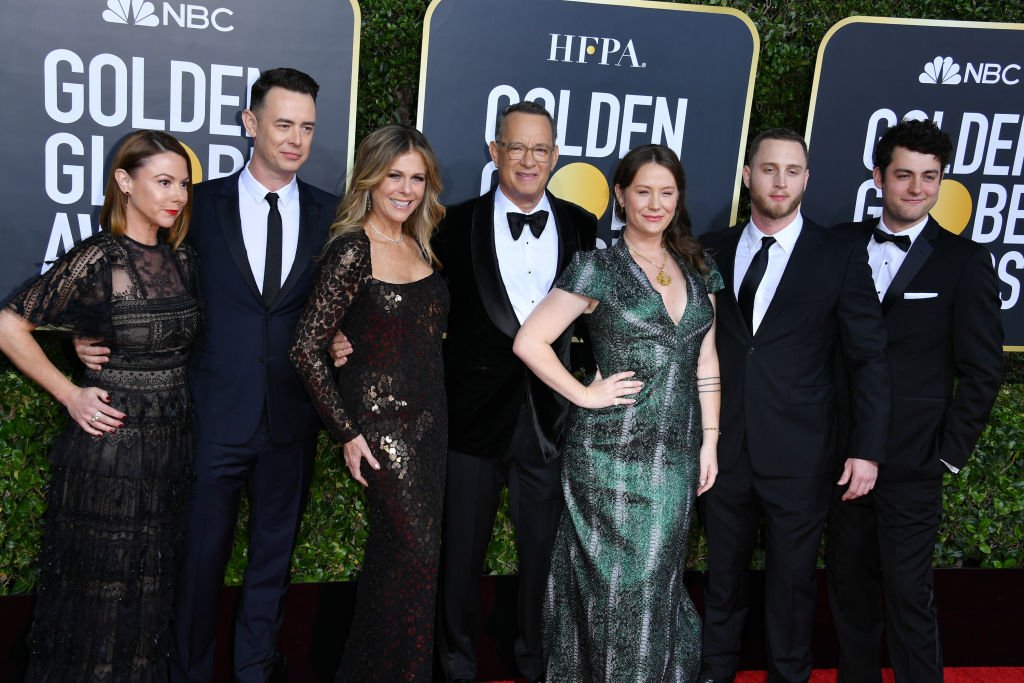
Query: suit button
pixel 750 351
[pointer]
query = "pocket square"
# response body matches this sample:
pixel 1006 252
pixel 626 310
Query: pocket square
pixel 920 295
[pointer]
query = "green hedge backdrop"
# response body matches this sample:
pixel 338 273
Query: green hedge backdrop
pixel 983 504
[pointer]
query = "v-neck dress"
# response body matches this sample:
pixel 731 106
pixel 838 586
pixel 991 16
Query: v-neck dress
pixel 116 503
pixel 616 608
pixel 391 391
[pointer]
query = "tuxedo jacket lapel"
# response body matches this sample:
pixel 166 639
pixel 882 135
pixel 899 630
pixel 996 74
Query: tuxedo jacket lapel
pixel 568 239
pixel 795 276
pixel 231 224
pixel 485 268
pixel 309 217
pixel 912 262
pixel 726 300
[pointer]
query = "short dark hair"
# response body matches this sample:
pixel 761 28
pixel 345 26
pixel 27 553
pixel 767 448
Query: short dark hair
pixel 525 107
pixel 786 134
pixel 923 137
pixel 281 77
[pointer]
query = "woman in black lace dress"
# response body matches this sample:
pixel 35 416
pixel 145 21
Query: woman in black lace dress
pixel 376 280
pixel 120 470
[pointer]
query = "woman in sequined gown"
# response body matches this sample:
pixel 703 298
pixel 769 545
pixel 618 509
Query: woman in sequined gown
pixel 640 442
pixel 120 471
pixel 387 405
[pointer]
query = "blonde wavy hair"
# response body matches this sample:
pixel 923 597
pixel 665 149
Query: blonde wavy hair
pixel 373 161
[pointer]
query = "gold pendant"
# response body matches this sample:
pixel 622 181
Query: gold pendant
pixel 663 278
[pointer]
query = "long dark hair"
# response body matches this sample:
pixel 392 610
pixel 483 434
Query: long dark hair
pixel 678 238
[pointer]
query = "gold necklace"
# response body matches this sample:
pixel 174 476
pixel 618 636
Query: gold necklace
pixel 663 278
pixel 384 237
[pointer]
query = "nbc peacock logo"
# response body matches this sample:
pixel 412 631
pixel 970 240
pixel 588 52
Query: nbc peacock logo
pixel 939 71
pixel 134 12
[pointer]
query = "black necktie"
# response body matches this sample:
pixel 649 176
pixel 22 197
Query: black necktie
pixel 272 266
pixel 901 241
pixel 752 280
pixel 536 220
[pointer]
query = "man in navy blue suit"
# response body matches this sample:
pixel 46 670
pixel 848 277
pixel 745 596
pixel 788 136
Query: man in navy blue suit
pixel 256 233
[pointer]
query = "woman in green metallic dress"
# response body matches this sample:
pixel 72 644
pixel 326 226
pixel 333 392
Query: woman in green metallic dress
pixel 640 443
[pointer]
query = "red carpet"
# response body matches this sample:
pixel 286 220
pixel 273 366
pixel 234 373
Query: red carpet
pixel 952 675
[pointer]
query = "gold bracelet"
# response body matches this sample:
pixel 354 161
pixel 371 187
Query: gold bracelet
pixel 712 429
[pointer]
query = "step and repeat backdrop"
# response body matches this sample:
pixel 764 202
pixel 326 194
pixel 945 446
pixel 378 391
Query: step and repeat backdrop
pixel 79 76
pixel 614 75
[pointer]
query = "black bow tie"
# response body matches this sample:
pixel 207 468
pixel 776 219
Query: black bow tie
pixel 901 241
pixel 536 220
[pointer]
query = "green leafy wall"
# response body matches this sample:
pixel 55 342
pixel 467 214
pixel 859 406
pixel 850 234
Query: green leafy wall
pixel 983 505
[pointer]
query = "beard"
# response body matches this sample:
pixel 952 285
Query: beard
pixel 775 210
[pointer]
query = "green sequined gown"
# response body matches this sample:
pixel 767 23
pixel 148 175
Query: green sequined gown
pixel 616 608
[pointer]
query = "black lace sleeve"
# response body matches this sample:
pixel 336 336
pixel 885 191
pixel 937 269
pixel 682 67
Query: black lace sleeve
pixel 188 264
pixel 342 274
pixel 74 294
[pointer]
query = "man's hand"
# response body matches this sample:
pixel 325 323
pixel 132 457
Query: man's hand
pixel 860 475
pixel 340 349
pixel 92 356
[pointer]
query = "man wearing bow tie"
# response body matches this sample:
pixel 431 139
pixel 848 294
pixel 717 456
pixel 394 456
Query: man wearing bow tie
pixel 500 255
pixel 941 305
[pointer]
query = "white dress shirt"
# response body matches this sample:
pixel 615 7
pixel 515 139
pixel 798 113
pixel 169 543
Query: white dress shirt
pixel 778 257
pixel 885 258
pixel 253 208
pixel 528 264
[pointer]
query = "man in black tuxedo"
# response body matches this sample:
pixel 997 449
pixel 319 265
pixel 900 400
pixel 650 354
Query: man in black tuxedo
pixel 794 295
pixel 941 305
pixel 501 253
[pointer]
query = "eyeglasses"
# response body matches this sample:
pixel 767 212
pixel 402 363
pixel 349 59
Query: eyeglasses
pixel 517 150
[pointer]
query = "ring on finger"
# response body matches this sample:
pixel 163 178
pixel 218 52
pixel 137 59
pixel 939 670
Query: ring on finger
pixel 96 417
pixel 616 401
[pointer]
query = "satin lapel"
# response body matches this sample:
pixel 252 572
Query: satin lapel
pixel 795 278
pixel 727 306
pixel 493 295
pixel 568 242
pixel 231 224
pixel 915 258
pixel 309 218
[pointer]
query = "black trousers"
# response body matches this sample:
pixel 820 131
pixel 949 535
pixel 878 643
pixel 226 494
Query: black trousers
pixel 472 494
pixel 882 544
pixel 276 479
pixel 794 511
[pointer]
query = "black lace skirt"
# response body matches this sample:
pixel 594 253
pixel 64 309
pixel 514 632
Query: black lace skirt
pixel 114 528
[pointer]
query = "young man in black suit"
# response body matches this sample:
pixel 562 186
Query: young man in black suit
pixel 942 312
pixel 256 233
pixel 794 295
pixel 501 253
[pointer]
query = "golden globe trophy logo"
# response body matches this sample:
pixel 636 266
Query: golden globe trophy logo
pixel 613 75
pixel 966 77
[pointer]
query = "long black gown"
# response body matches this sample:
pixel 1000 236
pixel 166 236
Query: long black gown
pixel 391 392
pixel 115 504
